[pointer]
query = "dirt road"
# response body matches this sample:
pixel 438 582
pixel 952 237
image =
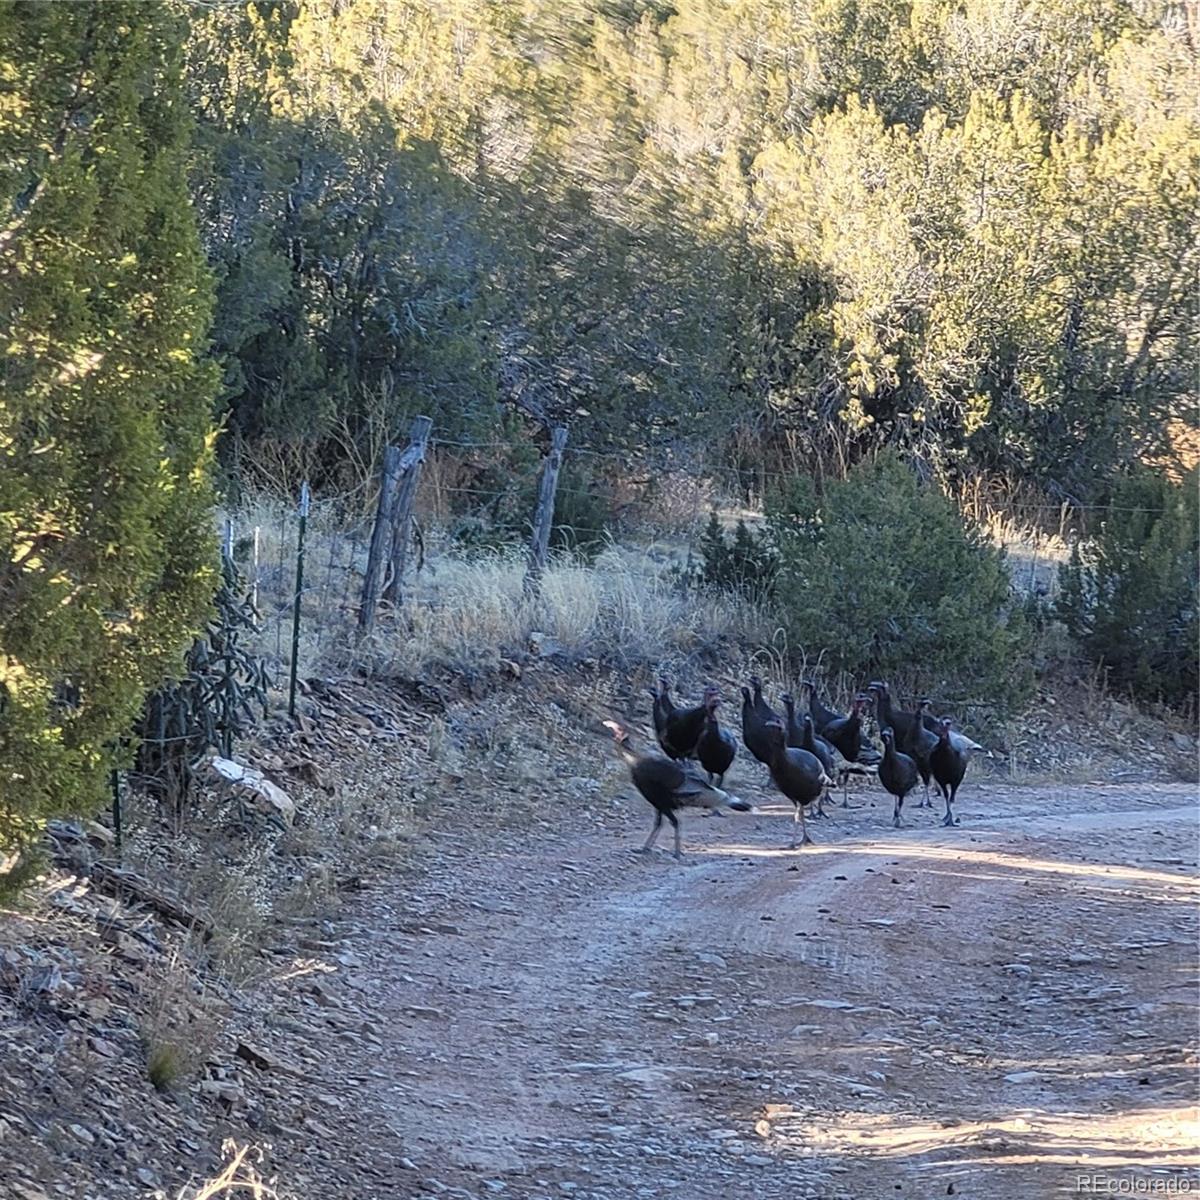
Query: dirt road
pixel 1007 1008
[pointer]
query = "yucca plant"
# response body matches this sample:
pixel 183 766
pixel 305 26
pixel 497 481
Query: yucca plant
pixel 216 702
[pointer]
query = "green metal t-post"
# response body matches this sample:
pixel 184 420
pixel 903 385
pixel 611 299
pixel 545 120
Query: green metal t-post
pixel 304 501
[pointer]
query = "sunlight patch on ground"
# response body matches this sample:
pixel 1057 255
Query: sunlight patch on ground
pixel 1166 886
pixel 1164 1137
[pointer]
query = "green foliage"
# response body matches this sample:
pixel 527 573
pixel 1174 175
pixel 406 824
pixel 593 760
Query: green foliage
pixel 211 706
pixel 106 565
pixel 582 508
pixel 165 1066
pixel 1129 594
pixel 879 575
pixel 961 229
pixel 745 562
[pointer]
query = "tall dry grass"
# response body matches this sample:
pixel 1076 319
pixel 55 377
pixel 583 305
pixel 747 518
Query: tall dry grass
pixel 240 1177
pixel 623 607
pixel 469 611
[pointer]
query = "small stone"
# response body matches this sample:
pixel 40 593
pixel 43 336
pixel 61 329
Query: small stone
pixel 255 1056
pixel 102 1047
pixel 96 1008
pixel 84 1134
pixel 222 1089
pixel 44 980
pixel 757 1160
pixel 408 1164
pixel 1023 1077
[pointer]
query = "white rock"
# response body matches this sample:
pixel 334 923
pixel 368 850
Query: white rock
pixel 241 779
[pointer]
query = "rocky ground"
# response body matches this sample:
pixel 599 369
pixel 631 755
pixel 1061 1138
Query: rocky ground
pixel 528 1008
pixel 982 1011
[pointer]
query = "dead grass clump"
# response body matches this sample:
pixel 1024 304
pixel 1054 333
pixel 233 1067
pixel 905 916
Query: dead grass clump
pixel 466 612
pixel 240 1177
pixel 180 1026
pixel 235 896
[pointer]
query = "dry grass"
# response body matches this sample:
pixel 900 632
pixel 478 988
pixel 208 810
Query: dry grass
pixel 1034 555
pixel 622 607
pixel 239 1178
pixel 236 897
pixel 468 613
pixel 180 1026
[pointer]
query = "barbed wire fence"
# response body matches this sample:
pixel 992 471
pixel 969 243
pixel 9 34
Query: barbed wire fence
pixel 318 573
pixel 330 605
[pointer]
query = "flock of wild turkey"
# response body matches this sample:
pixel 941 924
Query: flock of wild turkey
pixel 802 754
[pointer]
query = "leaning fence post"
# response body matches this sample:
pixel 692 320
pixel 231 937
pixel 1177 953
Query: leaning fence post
pixel 410 470
pixel 543 517
pixel 381 536
pixel 304 500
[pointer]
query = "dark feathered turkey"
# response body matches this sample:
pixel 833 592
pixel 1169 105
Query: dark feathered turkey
pixel 669 786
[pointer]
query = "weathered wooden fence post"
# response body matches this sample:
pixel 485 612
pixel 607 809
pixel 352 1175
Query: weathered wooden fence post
pixel 381 538
pixel 410 472
pixel 543 517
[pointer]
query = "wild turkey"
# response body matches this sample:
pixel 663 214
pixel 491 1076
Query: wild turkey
pixel 911 736
pixel 817 746
pixel 797 774
pixel 897 772
pixel 817 709
pixel 824 752
pixel 919 745
pixel 897 720
pixel 754 730
pixel 669 786
pixel 682 726
pixel 800 736
pixel 949 765
pixel 764 710
pixel 658 713
pixel 823 716
pixel 845 735
pixel 716 748
pixel 960 741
